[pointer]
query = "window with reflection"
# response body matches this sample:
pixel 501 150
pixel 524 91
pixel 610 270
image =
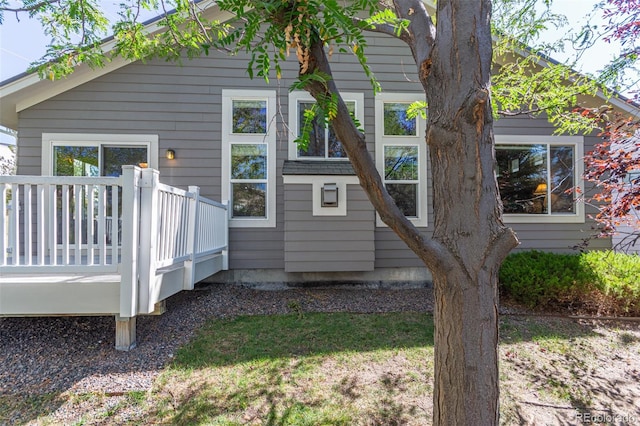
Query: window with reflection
pixel 397 121
pixel 249 116
pixel 75 161
pixel 92 160
pixel 399 137
pixel 248 152
pixel 323 142
pixel 401 177
pixel 537 179
pixel 249 179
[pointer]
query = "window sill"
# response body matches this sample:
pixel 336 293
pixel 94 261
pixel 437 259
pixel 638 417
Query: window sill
pixel 532 218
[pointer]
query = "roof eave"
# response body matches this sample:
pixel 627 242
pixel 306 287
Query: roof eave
pixel 26 90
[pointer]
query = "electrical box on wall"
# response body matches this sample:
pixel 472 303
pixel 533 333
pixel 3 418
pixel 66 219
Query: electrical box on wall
pixel 330 195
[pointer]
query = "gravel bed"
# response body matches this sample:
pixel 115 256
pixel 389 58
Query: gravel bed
pixel 77 354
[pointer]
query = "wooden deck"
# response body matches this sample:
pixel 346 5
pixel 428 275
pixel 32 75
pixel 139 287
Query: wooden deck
pixel 61 254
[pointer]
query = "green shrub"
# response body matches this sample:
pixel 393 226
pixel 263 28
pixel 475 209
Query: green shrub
pixel 618 278
pixel 601 282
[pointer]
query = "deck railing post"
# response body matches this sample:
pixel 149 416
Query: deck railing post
pixel 4 225
pixel 14 224
pixel 192 239
pixel 149 228
pixel 225 225
pixel 130 241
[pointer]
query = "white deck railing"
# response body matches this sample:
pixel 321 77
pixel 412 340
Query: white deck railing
pixel 97 225
pixel 61 223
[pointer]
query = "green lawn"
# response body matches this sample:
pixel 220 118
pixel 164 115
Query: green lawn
pixel 363 369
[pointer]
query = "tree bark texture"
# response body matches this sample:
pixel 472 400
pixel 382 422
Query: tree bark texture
pixel 469 240
pixel 467 214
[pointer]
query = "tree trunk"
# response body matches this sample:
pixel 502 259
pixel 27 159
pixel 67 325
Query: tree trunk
pixel 468 215
pixel 469 239
pixel 466 340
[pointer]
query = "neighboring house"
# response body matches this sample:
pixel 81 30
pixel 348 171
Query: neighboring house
pixel 294 216
pixel 627 235
pixel 7 157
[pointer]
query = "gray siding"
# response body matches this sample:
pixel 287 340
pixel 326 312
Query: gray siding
pixel 182 105
pixel 328 243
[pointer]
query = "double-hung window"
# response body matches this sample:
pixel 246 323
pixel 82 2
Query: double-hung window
pixel 323 142
pixel 539 178
pixel 401 154
pixel 248 156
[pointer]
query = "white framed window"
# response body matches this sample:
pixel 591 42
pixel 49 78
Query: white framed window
pixel 540 177
pixel 249 156
pixel 323 143
pixel 85 154
pixel 401 154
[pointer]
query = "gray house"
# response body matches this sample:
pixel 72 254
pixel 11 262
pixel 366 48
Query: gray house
pixel 293 215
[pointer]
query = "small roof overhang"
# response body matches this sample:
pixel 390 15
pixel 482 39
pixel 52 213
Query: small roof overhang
pixel 318 167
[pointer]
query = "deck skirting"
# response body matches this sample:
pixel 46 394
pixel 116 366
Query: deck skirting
pixel 57 294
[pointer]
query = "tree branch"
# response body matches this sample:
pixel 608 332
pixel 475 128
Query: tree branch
pixel 422 33
pixel 387 29
pixel 31 8
pixel 432 252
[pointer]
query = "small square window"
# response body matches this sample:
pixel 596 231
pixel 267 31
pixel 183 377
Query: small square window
pixel 396 120
pixel 249 199
pixel 249 116
pixel 400 162
pixel 248 161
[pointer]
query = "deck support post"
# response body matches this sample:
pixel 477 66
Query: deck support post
pixel 125 333
pixel 159 308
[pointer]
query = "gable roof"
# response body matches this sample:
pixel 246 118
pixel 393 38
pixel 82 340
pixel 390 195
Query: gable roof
pixel 26 90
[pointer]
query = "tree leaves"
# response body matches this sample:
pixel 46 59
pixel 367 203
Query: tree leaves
pixel 614 167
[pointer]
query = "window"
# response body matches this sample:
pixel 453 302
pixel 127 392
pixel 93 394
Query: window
pixel 323 142
pixel 401 154
pixel 248 153
pixel 401 177
pixel 71 154
pixel 75 154
pixel 538 176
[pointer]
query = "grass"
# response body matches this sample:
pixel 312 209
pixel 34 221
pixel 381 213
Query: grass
pixel 298 369
pixel 356 369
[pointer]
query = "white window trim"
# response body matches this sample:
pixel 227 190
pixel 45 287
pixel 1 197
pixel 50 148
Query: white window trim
pixel 49 140
pixel 578 143
pixel 228 137
pixel 297 96
pixel 317 182
pixel 418 140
